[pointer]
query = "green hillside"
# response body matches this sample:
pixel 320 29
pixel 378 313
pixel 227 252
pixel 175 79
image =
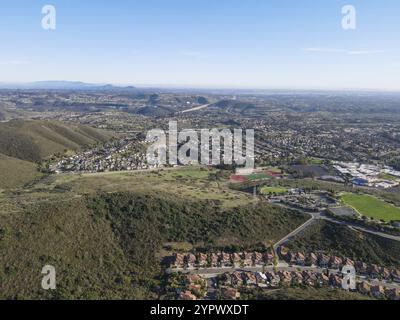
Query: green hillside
pixel 36 140
pixel 15 172
pixel 339 240
pixel 108 245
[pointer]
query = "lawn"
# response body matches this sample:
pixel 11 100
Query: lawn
pixel 272 190
pixel 372 207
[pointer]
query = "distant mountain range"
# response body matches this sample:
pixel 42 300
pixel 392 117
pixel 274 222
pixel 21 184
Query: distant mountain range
pixel 63 85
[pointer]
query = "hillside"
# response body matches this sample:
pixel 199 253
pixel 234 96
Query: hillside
pixel 108 245
pixel 342 241
pixel 15 172
pixel 35 140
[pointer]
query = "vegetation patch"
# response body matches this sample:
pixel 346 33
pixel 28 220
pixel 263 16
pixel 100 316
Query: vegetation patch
pixel 371 207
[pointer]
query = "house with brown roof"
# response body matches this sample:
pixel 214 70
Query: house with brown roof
pixel 323 260
pixel 247 259
pixel 250 278
pixel 224 259
pixel 396 275
pixel 309 278
pixel 393 294
pixel 273 279
pixel 335 262
pixel 364 288
pixel 225 279
pixel 300 259
pixel 187 295
pixel 297 278
pixel 385 273
pixel 374 271
pixel 237 279
pixel 361 267
pixel 214 260
pixel 257 259
pixel 285 276
pixel 193 278
pixel 312 259
pixel 268 258
pixel 190 260
pixel 378 292
pixel 202 260
pixel 323 279
pixel 349 262
pixel 178 260
pixel 236 259
pixel 335 281
pixel 230 293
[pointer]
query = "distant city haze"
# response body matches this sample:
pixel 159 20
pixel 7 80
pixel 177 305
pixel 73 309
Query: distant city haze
pixel 206 44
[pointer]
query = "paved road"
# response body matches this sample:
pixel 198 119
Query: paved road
pixel 322 216
pixel 197 108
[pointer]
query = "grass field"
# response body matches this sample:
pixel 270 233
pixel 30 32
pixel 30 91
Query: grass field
pixel 372 207
pixel 272 190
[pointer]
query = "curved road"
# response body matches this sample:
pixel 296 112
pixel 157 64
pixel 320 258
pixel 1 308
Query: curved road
pixel 321 216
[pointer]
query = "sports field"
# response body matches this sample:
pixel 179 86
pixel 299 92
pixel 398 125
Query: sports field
pixel 371 207
pixel 273 190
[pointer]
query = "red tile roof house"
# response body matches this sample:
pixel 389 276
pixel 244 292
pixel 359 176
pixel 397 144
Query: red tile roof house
pixel 335 262
pixel 361 267
pixel 237 279
pixel 309 278
pixel 225 260
pixel 393 294
pixel 268 258
pixel 193 279
pixel 378 292
pixel 236 259
pixel 202 259
pixel 178 261
pixel 247 259
pixel 214 260
pixel 323 260
pixel 374 271
pixel 190 260
pixel 230 293
pixel 312 259
pixel 323 279
pixel 187 295
pixel 348 262
pixel 297 278
pixel 226 279
pixel 335 281
pixel 364 288
pixel 396 275
pixel 300 259
pixel 258 259
pixel 250 279
pixel 273 280
pixel 285 276
pixel 385 273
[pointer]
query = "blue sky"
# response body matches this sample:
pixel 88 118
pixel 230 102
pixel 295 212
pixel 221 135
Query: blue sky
pixel 204 43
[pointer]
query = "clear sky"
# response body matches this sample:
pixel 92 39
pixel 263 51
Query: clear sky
pixel 204 43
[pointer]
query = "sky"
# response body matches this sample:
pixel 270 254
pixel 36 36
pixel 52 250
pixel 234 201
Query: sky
pixel 280 44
